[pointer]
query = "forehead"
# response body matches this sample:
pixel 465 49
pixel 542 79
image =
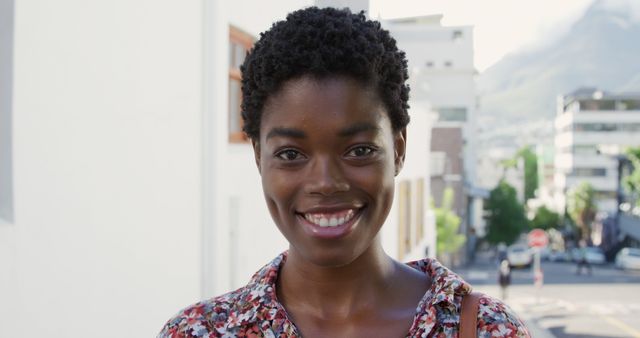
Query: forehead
pixel 332 101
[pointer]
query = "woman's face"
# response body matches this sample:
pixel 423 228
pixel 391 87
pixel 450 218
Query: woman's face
pixel 328 156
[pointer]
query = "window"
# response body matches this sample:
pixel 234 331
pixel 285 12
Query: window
pixel 607 127
pixel 457 35
pixel 628 104
pixel 239 44
pixel 438 161
pixel 419 210
pixel 448 64
pixel 6 97
pixel 592 172
pixel 429 64
pixel 458 114
pixel 604 194
pixel 597 105
pixel 404 218
pixel 585 149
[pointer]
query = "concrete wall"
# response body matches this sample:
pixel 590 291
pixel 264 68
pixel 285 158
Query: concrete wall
pixel 107 142
pixel 129 202
pixel 6 108
pixel 245 237
pixel 416 167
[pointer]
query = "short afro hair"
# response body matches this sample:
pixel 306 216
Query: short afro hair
pixel 322 43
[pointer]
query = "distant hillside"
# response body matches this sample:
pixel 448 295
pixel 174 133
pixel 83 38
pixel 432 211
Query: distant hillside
pixel 602 49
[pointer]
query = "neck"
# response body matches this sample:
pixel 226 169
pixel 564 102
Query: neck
pixel 336 291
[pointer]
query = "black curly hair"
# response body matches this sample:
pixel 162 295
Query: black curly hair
pixel 324 42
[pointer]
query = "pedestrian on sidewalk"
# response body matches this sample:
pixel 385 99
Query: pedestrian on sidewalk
pixel 582 259
pixel 504 278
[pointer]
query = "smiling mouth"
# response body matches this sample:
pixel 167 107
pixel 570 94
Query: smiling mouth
pixel 333 219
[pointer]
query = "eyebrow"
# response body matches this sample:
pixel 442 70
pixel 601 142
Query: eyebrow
pixel 346 132
pixel 358 128
pixel 286 132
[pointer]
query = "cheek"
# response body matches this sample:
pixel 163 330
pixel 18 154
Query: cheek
pixel 278 192
pixel 377 181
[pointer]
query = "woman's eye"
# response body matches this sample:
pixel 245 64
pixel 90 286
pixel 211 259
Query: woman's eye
pixel 289 155
pixel 360 151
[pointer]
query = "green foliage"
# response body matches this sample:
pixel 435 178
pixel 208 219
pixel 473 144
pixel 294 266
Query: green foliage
pixel 530 171
pixel 447 226
pixel 530 161
pixel 545 219
pixel 582 208
pixel 631 183
pixel 506 216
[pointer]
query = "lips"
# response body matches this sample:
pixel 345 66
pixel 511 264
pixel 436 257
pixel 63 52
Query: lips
pixel 330 223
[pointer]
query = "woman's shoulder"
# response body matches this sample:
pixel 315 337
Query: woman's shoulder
pixel 497 319
pixel 231 311
pixel 202 319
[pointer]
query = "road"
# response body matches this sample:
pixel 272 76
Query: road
pixel 603 304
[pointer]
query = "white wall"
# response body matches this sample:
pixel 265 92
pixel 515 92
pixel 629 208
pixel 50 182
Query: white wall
pixel 566 160
pixel 245 236
pixel 443 86
pixel 6 107
pixel 129 201
pixel 416 166
pixel 107 158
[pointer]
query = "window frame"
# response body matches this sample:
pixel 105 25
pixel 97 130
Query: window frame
pixel 239 37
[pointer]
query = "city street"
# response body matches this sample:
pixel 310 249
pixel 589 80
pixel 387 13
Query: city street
pixel 604 304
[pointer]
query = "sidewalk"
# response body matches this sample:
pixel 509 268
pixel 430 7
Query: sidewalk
pixel 531 310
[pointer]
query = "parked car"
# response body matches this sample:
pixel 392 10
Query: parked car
pixel 519 255
pixel 628 258
pixel 558 256
pixel 595 255
pixel 592 254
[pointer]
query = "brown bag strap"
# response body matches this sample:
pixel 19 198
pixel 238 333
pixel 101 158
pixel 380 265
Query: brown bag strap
pixel 469 315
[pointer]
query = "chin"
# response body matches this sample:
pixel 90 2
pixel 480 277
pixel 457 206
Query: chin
pixel 329 257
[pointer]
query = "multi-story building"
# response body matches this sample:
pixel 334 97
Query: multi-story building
pixel 441 63
pixel 591 125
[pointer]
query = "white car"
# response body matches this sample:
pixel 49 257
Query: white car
pixel 519 255
pixel 558 256
pixel 594 255
pixel 628 258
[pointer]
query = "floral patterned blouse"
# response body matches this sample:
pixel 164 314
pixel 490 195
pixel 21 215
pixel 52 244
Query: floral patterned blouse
pixel 254 311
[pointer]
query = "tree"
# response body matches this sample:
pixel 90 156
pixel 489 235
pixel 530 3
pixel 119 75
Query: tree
pixel 530 164
pixel 632 181
pixel 581 206
pixel 447 226
pixel 545 219
pixel 506 218
pixel 530 172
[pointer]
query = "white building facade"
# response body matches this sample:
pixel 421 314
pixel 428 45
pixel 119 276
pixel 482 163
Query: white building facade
pixel 441 60
pixel 127 200
pixel 441 65
pixel 591 126
pixel 126 191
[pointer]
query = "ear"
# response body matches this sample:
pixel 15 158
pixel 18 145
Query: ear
pixel 400 149
pixel 256 153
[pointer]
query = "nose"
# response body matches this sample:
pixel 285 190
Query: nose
pixel 326 177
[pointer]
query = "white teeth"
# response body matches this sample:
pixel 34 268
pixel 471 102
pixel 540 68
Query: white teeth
pixel 325 220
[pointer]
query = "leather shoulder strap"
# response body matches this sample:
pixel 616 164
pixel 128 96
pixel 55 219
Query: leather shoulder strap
pixel 469 315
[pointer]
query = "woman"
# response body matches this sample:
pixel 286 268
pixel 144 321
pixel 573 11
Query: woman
pixel 325 106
